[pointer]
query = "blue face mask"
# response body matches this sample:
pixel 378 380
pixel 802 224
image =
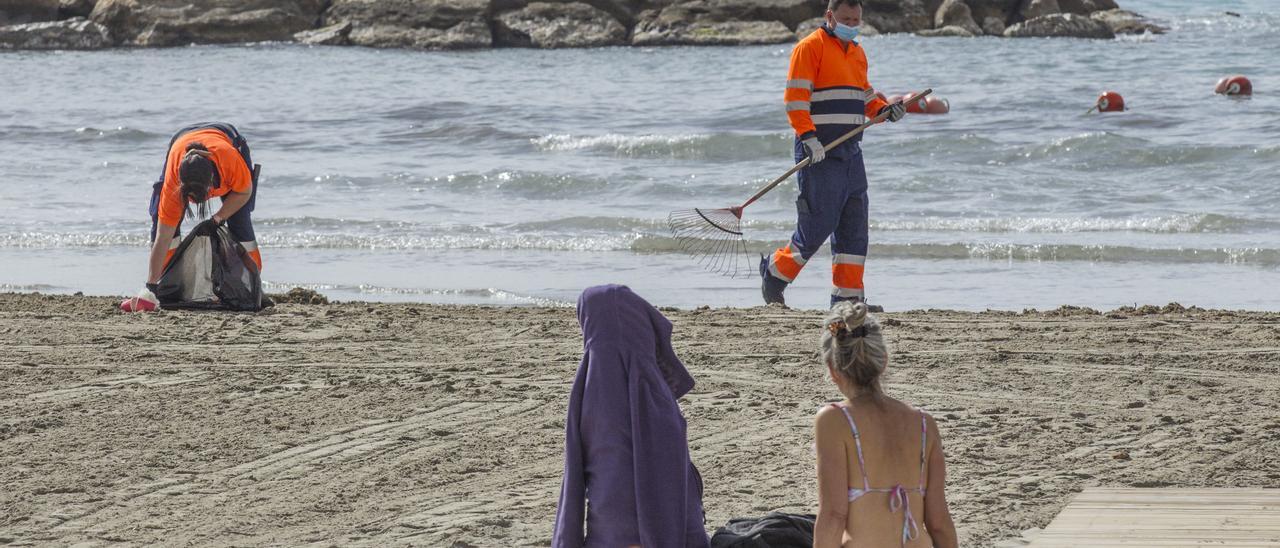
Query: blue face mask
pixel 846 32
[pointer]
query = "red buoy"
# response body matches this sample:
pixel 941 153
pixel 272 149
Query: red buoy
pixel 882 97
pixel 917 107
pixel 1234 85
pixel 934 105
pixel 1110 101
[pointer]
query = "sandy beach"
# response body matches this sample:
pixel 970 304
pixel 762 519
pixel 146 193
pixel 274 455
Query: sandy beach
pixel 413 424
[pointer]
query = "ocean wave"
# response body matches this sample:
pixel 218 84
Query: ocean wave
pixel 722 146
pixel 1170 224
pixel 452 131
pixel 1103 150
pixel 488 295
pixel 645 242
pixel 121 134
pixel 1020 252
pixel 525 184
pixel 599 233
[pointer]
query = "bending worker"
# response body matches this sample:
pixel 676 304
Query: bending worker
pixel 828 95
pixel 204 161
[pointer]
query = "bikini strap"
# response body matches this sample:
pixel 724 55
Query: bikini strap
pixel 857 442
pixel 923 440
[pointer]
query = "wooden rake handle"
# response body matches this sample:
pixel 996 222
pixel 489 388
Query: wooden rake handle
pixel 805 162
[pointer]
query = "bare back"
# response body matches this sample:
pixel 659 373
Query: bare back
pixel 887 501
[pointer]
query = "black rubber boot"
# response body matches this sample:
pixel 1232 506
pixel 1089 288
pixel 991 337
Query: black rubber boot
pixel 770 286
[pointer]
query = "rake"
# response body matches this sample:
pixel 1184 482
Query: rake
pixel 713 237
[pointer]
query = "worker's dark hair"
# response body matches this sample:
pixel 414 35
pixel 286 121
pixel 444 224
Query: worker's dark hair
pixel 833 4
pixel 196 176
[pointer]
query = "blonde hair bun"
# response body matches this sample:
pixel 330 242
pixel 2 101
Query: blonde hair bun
pixel 853 314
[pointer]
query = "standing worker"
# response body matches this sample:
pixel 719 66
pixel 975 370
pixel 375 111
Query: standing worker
pixel 203 161
pixel 827 96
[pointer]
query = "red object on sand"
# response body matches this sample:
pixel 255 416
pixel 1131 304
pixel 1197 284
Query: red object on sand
pixel 1234 85
pixel 134 304
pixel 1110 101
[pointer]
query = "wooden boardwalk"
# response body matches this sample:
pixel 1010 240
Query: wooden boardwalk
pixel 1133 517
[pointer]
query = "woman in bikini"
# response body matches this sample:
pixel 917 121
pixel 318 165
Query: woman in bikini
pixel 880 461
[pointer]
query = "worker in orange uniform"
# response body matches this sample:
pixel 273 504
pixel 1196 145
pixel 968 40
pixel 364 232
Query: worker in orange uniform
pixel 209 160
pixel 828 95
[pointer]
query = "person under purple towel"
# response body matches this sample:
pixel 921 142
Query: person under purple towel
pixel 628 480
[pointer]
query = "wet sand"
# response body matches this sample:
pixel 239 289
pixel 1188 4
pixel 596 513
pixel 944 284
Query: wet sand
pixel 406 424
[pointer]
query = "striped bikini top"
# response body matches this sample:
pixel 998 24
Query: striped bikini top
pixel 897 494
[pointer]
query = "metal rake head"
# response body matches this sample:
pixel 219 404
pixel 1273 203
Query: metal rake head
pixel 714 238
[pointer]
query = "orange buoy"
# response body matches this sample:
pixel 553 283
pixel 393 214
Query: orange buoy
pixel 934 105
pixel 1110 101
pixel 1234 85
pixel 918 107
pixel 882 97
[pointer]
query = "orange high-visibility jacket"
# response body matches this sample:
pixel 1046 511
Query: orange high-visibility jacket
pixel 233 174
pixel 827 90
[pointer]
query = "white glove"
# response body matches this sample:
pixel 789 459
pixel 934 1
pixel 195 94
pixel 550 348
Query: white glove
pixel 816 152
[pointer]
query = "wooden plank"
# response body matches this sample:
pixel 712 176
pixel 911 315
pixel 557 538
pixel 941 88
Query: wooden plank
pixel 1136 517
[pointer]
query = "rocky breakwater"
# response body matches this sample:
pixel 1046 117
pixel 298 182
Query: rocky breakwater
pixel 469 24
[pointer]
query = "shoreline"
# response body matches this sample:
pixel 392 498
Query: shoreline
pixel 309 296
pixel 370 423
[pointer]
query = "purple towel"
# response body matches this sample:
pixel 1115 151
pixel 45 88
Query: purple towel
pixel 625 447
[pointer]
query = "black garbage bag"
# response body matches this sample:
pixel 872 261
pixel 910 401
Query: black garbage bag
pixel 211 270
pixel 774 530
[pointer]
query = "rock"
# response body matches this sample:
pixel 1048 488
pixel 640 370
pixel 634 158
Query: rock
pixel 1086 7
pixel 625 11
pixel 77 33
pixel 900 15
pixel 469 34
pixel 949 30
pixel 707 22
pixel 547 25
pixel 1126 22
pixel 1060 25
pixel 1032 9
pixel 413 14
pixel 788 12
pixel 993 26
pixel 1002 10
pixel 730 33
pixel 181 22
pixel 425 24
pixel 807 27
pixel 955 13
pixel 332 35
pixel 75 8
pixel 17 12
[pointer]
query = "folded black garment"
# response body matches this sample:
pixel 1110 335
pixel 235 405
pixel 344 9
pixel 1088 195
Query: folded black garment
pixel 774 530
